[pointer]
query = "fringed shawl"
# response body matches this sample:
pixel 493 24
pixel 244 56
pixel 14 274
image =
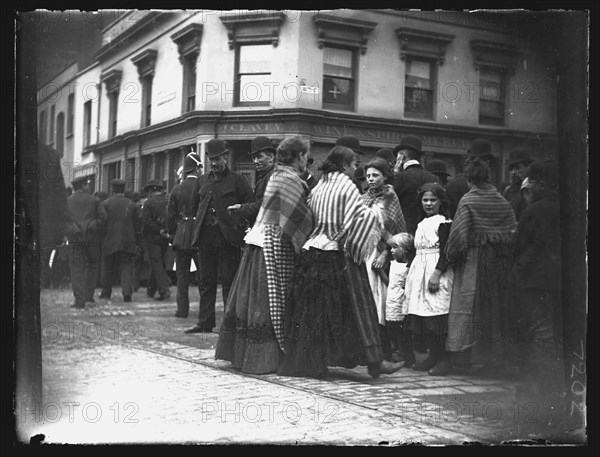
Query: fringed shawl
pixel 386 205
pixel 483 216
pixel 284 205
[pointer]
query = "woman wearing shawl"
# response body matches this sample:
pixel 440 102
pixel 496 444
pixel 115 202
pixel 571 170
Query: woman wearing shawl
pixel 479 249
pixel 331 318
pixel 251 336
pixel 382 199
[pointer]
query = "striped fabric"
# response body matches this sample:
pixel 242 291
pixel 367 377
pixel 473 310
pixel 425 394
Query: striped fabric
pixel 483 216
pixel 342 219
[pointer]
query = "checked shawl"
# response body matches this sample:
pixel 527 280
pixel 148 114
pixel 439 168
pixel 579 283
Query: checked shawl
pixel 287 222
pixel 386 205
pixel 483 216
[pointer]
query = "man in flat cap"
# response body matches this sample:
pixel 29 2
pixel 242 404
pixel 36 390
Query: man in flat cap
pixel 518 163
pixel 218 233
pixel 120 242
pixel 156 237
pixel 181 213
pixel 410 179
pixel 86 220
pixel 263 156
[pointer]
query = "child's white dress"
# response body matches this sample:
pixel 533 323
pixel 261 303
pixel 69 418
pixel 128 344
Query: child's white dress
pixel 395 306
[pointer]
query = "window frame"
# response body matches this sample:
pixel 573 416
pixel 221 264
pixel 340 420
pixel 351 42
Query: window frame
pixel 113 112
pixel 87 123
pixel 433 83
pixel 491 120
pixel 70 114
pixel 237 78
pixel 354 70
pixel 147 85
pixel 52 124
pixel 190 75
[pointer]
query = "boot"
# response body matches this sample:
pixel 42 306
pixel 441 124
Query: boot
pixel 378 368
pixel 442 365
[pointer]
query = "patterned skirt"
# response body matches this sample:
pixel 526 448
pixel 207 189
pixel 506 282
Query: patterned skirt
pixel 246 337
pixel 330 317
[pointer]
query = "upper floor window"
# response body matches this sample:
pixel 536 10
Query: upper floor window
pixel 189 82
pixel 52 114
pixel 418 89
pixel 146 63
pixel 492 95
pixel 87 123
pixel 113 108
pixel 70 114
pixel 42 127
pixel 188 45
pixel 253 75
pixel 146 100
pixel 60 133
pixel 338 78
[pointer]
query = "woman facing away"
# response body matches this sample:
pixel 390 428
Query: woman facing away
pixel 479 247
pixel 429 280
pixel 251 336
pixel 383 201
pixel 331 318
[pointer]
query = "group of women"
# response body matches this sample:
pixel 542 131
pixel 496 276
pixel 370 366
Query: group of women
pixel 310 290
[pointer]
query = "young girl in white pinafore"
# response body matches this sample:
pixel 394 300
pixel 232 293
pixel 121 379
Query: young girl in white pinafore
pixel 429 280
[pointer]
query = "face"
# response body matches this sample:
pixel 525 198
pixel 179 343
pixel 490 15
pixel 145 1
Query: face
pixel 262 160
pixel 302 162
pixel 517 171
pixel 431 204
pixel 374 178
pixel 350 169
pixel 398 252
pixel 218 164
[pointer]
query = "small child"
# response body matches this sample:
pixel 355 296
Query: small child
pixel 403 251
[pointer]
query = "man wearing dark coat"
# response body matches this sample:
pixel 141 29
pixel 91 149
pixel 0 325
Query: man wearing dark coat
pixel 86 220
pixel 410 179
pixel 518 161
pixel 181 213
pixel 536 275
pixel 218 233
pixel 263 156
pixel 156 237
pixel 119 247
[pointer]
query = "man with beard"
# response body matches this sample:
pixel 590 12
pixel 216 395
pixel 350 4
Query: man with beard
pixel 218 233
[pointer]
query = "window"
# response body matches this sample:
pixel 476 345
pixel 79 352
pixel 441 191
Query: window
pixel 253 75
pixel 491 96
pixel 418 89
pixel 129 175
pixel 146 100
pixel 60 133
pixel 189 82
pixel 52 111
pixel 113 98
pixel 70 114
pixel 146 170
pixel 42 128
pixel 338 78
pixel 111 171
pixel 87 123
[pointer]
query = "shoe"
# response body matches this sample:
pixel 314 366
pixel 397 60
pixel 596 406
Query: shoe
pixel 150 293
pixel 385 367
pixel 126 298
pixel 178 314
pixel 425 365
pixel 442 368
pixel 164 296
pixel 90 300
pixel 77 306
pixel 197 329
pixel 104 296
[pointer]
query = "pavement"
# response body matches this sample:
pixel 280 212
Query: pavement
pixel 126 373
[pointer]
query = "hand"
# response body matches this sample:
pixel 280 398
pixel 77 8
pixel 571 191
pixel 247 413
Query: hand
pixel 379 261
pixel 434 282
pixel 234 208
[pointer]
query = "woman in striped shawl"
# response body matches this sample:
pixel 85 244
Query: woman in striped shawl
pixel 480 250
pixel 251 336
pixel 330 318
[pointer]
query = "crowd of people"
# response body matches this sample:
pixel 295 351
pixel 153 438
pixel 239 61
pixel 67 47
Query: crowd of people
pixel 366 265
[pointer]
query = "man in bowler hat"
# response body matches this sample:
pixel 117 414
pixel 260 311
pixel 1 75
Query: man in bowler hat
pixel 86 220
pixel 218 233
pixel 181 213
pixel 156 237
pixel 119 246
pixel 518 164
pixel 440 169
pixel 410 179
pixel 263 156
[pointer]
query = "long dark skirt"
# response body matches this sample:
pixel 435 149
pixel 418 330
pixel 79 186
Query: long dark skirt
pixel 246 338
pixel 330 318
